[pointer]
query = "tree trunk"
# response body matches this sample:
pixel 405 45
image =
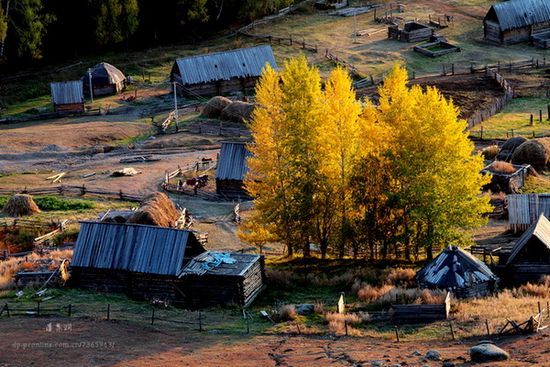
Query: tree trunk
pixel 429 252
pixel 306 249
pixel 323 246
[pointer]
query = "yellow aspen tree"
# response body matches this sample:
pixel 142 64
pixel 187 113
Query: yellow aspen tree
pixel 339 146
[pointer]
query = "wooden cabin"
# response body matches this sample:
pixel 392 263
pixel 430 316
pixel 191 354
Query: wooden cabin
pixel 222 278
pixel 516 21
pixel 529 259
pixel 331 4
pixel 232 169
pixel 411 32
pixel 221 73
pixel 106 79
pixel 458 272
pixel 68 97
pixel 149 262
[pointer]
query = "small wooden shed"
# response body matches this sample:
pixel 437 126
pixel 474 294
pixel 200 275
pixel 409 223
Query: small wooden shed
pixel 231 170
pixel 411 32
pixel 529 259
pixel 459 272
pixel 68 97
pixel 106 79
pixel 516 21
pixel 214 278
pixel 506 182
pixel 221 73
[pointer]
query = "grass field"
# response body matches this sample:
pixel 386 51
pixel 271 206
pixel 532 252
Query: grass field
pixel 514 120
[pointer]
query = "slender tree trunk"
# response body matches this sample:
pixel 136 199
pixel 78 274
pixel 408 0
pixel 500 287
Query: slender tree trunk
pixel 324 247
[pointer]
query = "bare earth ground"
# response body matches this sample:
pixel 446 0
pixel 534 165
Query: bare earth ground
pixel 126 344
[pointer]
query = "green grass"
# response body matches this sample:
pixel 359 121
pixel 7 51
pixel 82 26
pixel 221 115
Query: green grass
pixel 56 203
pixel 514 120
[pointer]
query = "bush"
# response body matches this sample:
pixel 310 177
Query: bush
pixel 541 289
pixel 401 277
pixel 337 321
pixel 287 313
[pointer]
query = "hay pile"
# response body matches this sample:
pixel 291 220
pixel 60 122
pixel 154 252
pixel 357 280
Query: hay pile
pixel 238 111
pixel 20 205
pixel 509 147
pixel 533 152
pixel 502 167
pixel 156 210
pixel 215 106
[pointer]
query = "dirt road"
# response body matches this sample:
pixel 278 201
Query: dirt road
pixel 80 342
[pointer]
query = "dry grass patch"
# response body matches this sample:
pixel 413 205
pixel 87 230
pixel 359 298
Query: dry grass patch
pixel 502 167
pixel 337 322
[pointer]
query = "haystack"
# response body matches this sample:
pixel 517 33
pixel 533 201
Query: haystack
pixel 215 106
pixel 509 147
pixel 156 210
pixel 533 152
pixel 20 205
pixel 238 111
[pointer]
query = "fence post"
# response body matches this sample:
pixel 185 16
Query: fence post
pixel 247 323
pixel 481 133
pixel 109 311
pixel 153 316
pixel 200 320
pixel 70 310
pixel 452 69
pixel 540 115
pixel 396 333
pixel 414 75
pixel 346 326
pixel 531 120
pixel 290 38
pixel 452 331
pixel 37 308
pixel 487 327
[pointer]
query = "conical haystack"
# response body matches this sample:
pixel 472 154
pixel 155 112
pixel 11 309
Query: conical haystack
pixel 215 106
pixel 156 210
pixel 533 152
pixel 20 205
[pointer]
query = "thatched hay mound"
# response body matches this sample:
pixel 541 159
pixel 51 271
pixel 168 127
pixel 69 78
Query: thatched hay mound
pixel 156 210
pixel 533 152
pixel 502 167
pixel 20 205
pixel 238 111
pixel 509 147
pixel 215 106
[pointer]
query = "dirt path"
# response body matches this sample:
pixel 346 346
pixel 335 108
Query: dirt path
pixel 102 343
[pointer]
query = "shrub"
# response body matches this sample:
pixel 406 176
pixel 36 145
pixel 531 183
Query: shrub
pixel 401 277
pixel 287 313
pixel 541 289
pixel 337 321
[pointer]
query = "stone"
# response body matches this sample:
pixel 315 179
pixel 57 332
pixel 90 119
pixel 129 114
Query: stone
pixel 448 364
pixel 433 355
pixel 486 351
pixel 416 353
pixel 304 309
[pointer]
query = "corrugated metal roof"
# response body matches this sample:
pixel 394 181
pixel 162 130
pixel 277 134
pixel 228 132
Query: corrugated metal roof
pixel 206 263
pixel 520 13
pixel 131 247
pixel 540 229
pixel 239 63
pixel 454 268
pixel 232 162
pixel 67 92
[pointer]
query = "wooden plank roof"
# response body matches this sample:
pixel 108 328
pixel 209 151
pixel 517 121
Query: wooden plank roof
pixel 67 92
pixel 454 268
pixel 232 162
pixel 212 263
pixel 540 229
pixel 239 63
pixel 132 247
pixel 520 13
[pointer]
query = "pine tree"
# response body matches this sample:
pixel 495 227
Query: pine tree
pixel 27 28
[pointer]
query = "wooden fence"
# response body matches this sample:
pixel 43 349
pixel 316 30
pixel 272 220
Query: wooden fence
pixel 525 209
pixel 63 190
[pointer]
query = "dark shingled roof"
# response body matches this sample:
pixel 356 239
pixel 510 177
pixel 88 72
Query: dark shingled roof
pixel 454 268
pixel 232 162
pixel 104 73
pixel 239 63
pixel 519 13
pixel 133 247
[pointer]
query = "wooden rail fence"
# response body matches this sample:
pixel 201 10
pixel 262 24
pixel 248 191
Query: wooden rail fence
pixel 63 190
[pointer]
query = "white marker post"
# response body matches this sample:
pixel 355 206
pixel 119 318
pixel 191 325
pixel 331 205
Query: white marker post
pixel 91 87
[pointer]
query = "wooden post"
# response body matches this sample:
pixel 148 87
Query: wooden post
pixel 109 311
pixel 531 120
pixel 70 310
pixel 396 333
pixel 481 133
pixel 487 327
pixel 512 131
pixel 414 75
pixel 200 320
pixel 152 316
pixel 453 69
pixel 471 67
pixel 247 323
pixel 444 71
pixel 346 326
pixel 38 308
pixel 452 331
pixel 540 309
pixel 298 328
pixel 540 115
